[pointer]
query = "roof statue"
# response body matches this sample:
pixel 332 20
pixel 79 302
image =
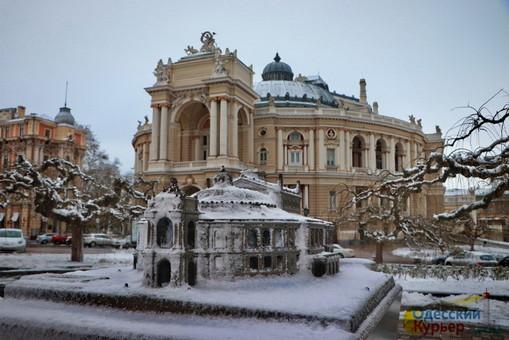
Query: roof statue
pixel 162 71
pixel 438 129
pixel 146 119
pixel 208 41
pixel 412 119
pixel 190 50
pixel 419 122
pixel 223 177
pixel 219 69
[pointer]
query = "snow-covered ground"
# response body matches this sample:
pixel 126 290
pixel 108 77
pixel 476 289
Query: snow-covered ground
pixel 37 260
pixel 298 294
pixel 76 320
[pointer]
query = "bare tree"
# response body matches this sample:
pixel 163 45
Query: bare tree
pixel 61 191
pixel 380 211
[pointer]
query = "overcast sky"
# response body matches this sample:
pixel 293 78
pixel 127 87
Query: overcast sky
pixel 418 57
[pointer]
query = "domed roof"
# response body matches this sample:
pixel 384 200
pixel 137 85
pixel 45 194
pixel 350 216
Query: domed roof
pixel 65 116
pixel 297 92
pixel 277 70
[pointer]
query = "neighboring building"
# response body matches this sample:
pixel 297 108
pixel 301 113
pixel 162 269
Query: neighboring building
pixel 228 231
pixel 208 113
pixel 495 216
pixel 37 138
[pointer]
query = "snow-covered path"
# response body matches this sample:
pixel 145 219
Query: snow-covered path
pixel 25 319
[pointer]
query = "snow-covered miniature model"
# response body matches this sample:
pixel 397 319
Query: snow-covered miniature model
pixel 225 231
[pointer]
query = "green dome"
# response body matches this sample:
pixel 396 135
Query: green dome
pixel 277 70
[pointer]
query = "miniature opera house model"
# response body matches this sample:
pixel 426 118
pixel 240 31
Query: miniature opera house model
pixel 229 231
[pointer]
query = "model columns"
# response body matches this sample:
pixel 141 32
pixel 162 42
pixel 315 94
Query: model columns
pixel 223 124
pixel 348 150
pixel 163 141
pixel 342 154
pixel 280 149
pixel 213 128
pixel 321 149
pixel 154 142
pixel 392 155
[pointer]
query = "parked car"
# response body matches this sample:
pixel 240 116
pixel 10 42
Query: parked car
pixel 343 252
pixel 471 258
pixel 122 242
pixel 92 240
pixel 44 238
pixel 12 240
pixel 504 262
pixel 59 239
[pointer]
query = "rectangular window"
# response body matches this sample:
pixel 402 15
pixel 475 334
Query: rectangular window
pixel 363 203
pixel 204 155
pixel 253 263
pixel 331 157
pixel 7 131
pixel 279 262
pixel 47 133
pixel 6 162
pixel 267 262
pixel 21 130
pixel 295 159
pixel 332 200
pixel 204 141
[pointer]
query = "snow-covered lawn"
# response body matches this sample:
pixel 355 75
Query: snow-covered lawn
pixel 37 260
pixel 298 294
pixel 32 318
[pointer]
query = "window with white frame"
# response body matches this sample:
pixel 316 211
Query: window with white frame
pixel 331 157
pixel 295 157
pixel 263 156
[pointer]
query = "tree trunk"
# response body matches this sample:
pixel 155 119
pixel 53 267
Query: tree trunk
pixel 472 244
pixel 379 257
pixel 77 244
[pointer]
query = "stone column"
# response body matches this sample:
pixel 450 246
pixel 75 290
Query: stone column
pixel 235 132
pixel 342 154
pixel 408 157
pixel 391 164
pixel 250 136
pixel 311 150
pixel 280 149
pixel 285 155
pixel 372 152
pixel 305 156
pixel 197 148
pixel 144 161
pixel 306 196
pixel 213 128
pixel 321 150
pixel 337 152
pixel 223 127
pixel 154 142
pixel 416 153
pixel 136 160
pixel 163 142
pixel 348 150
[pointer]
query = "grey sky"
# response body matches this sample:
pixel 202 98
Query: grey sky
pixel 421 58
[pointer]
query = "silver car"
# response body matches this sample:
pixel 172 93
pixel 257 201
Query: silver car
pixel 12 240
pixel 92 240
pixel 471 258
pixel 44 238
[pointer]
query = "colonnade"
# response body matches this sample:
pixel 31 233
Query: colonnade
pixel 342 145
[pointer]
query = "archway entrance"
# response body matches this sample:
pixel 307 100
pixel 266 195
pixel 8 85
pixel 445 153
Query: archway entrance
pixel 163 273
pixel 194 121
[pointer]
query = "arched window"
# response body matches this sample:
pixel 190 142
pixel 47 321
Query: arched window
pixel 380 151
pixel 252 238
pixel 398 157
pixel 357 150
pixel 263 156
pixel 163 273
pixel 295 137
pixel 266 237
pixel 164 232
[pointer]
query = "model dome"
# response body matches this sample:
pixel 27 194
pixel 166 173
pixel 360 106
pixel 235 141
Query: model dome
pixel 65 116
pixel 277 70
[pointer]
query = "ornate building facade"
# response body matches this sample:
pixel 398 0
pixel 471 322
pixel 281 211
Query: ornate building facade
pixel 37 138
pixel 207 113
